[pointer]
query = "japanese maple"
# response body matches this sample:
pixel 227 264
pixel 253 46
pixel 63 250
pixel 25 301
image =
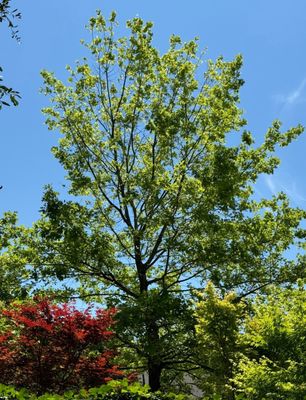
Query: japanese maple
pixel 51 347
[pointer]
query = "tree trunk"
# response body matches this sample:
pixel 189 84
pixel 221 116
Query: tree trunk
pixel 154 370
pixel 154 362
pixel 152 329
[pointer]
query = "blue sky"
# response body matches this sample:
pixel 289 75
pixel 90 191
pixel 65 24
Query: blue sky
pixel 269 33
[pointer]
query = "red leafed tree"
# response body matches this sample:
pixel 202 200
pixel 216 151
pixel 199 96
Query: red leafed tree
pixel 49 347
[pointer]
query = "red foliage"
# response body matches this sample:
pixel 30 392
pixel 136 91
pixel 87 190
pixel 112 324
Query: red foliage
pixel 50 347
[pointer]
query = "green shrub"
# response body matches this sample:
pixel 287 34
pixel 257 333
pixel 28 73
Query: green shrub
pixel 113 390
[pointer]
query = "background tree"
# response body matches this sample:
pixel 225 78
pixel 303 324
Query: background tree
pixel 162 201
pixel 7 94
pixel 15 276
pixel 254 348
pixel 9 16
pixel 13 273
pixel 275 335
pixel 48 347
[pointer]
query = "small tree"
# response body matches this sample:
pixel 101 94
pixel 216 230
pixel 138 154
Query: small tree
pixel 49 347
pixel 218 332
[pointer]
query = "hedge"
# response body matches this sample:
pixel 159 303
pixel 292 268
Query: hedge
pixel 113 390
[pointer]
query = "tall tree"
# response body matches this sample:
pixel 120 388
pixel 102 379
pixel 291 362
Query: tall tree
pixel 163 202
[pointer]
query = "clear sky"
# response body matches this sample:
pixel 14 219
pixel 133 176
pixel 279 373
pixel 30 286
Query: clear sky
pixel 271 35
